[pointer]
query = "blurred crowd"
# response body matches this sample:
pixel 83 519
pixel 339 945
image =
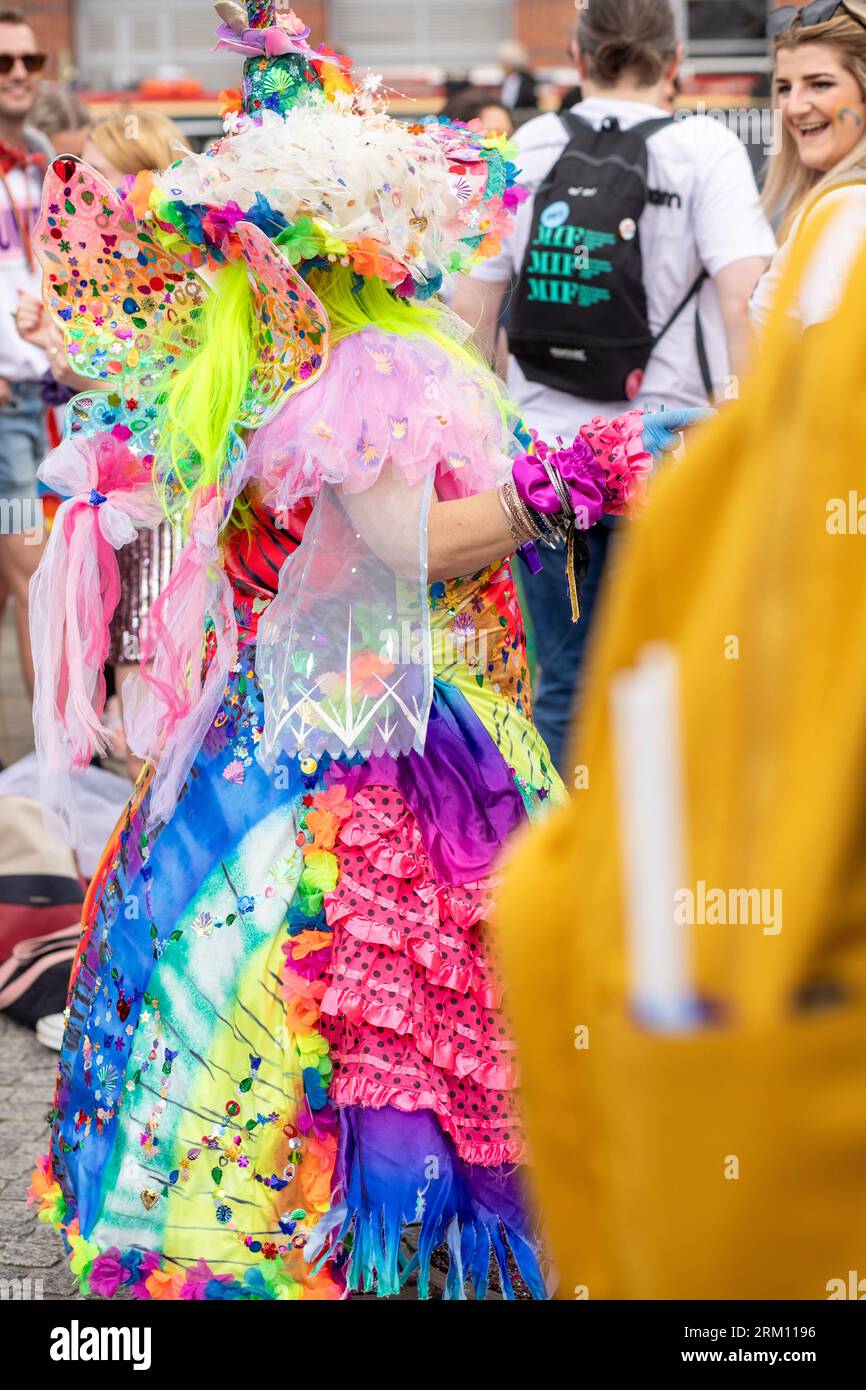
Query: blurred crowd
pixel 39 120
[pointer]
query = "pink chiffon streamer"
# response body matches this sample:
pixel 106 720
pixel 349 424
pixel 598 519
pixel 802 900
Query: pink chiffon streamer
pixel 73 596
pixel 171 704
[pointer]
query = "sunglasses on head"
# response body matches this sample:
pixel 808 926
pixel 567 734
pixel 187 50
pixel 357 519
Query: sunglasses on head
pixel 33 62
pixel 818 12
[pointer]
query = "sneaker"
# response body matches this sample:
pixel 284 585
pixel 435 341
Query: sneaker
pixel 49 1031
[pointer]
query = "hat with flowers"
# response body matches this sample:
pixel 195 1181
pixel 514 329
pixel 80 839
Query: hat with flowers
pixel 311 156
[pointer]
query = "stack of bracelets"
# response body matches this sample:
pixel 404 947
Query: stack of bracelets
pixel 529 525
pixel 557 494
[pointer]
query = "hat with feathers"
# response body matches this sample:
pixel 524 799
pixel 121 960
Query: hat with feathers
pixel 313 157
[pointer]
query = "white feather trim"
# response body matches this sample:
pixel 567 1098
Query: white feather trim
pixel 363 173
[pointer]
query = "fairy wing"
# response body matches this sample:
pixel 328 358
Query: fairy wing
pixel 128 308
pixel 125 305
pixel 134 420
pixel 292 329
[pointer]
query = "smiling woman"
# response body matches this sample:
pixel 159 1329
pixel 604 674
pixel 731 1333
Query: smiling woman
pixel 820 85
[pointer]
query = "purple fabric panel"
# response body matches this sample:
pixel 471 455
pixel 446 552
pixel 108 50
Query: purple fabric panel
pixel 461 790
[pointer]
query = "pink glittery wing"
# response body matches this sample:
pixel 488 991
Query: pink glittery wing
pixel 292 329
pixel 125 306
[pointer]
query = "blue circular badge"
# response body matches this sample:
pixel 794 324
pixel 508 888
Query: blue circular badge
pixel 555 215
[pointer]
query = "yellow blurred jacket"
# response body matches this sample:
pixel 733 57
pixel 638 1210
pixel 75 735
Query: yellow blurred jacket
pixel 728 1162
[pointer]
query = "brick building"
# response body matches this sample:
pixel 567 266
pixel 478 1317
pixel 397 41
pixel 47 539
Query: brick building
pixel 52 20
pixel 118 42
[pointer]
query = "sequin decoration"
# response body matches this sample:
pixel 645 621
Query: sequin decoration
pixel 125 306
pixel 133 419
pixel 291 329
pixel 136 421
pixel 275 84
pixel 261 14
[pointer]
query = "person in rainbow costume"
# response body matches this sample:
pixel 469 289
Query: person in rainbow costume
pixel 285 1040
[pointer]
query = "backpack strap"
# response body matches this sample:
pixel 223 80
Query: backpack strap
pixel 703 359
pixel 687 298
pixel 574 125
pixel 700 341
pixel 647 128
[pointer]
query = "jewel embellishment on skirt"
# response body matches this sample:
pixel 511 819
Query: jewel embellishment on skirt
pixel 149 1198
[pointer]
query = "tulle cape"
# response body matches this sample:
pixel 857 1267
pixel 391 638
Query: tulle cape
pixel 344 652
pixel 387 400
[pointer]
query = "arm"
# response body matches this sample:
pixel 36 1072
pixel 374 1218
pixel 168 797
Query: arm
pixel 734 285
pixel 733 238
pixel 479 303
pixel 469 533
pixel 463 536
pixel 466 535
pixel 34 326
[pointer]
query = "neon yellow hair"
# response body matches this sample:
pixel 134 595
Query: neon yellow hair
pixel 350 309
pixel 204 399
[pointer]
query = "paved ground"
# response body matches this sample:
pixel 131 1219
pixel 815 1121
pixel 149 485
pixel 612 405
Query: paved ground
pixel 16 728
pixel 28 1248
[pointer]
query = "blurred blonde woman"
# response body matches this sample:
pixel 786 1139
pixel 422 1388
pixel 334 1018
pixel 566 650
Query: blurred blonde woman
pixel 820 88
pixel 123 144
pixel 61 115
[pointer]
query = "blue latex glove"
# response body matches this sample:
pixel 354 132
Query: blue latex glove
pixel 661 428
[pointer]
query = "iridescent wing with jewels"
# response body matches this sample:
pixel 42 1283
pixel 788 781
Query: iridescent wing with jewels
pixel 128 307
pixel 291 325
pixel 125 306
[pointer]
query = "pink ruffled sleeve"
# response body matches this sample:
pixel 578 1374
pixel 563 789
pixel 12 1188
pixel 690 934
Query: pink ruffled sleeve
pixel 385 399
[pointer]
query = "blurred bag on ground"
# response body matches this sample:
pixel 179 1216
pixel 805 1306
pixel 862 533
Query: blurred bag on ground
pixel 100 797
pixel 41 896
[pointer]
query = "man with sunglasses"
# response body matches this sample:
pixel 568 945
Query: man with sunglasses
pixel 24 155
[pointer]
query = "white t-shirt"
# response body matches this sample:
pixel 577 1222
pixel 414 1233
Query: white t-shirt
pixel 715 219
pixel 19 361
pixel 823 284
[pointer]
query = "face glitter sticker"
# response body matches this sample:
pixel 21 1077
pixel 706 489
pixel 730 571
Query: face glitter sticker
pixel 125 306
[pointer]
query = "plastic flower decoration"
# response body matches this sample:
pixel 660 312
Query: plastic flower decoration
pixel 300 242
pixel 331 245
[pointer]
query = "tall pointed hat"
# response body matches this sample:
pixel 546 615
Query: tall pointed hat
pixel 318 162
pixel 279 62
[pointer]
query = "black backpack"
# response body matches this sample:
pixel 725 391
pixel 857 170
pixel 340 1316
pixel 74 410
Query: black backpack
pixel 579 313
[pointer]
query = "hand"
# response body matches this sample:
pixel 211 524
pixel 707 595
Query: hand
pixel 33 323
pixel 5 392
pixel 661 428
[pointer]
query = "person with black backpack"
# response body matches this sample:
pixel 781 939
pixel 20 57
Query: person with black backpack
pixel 630 271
